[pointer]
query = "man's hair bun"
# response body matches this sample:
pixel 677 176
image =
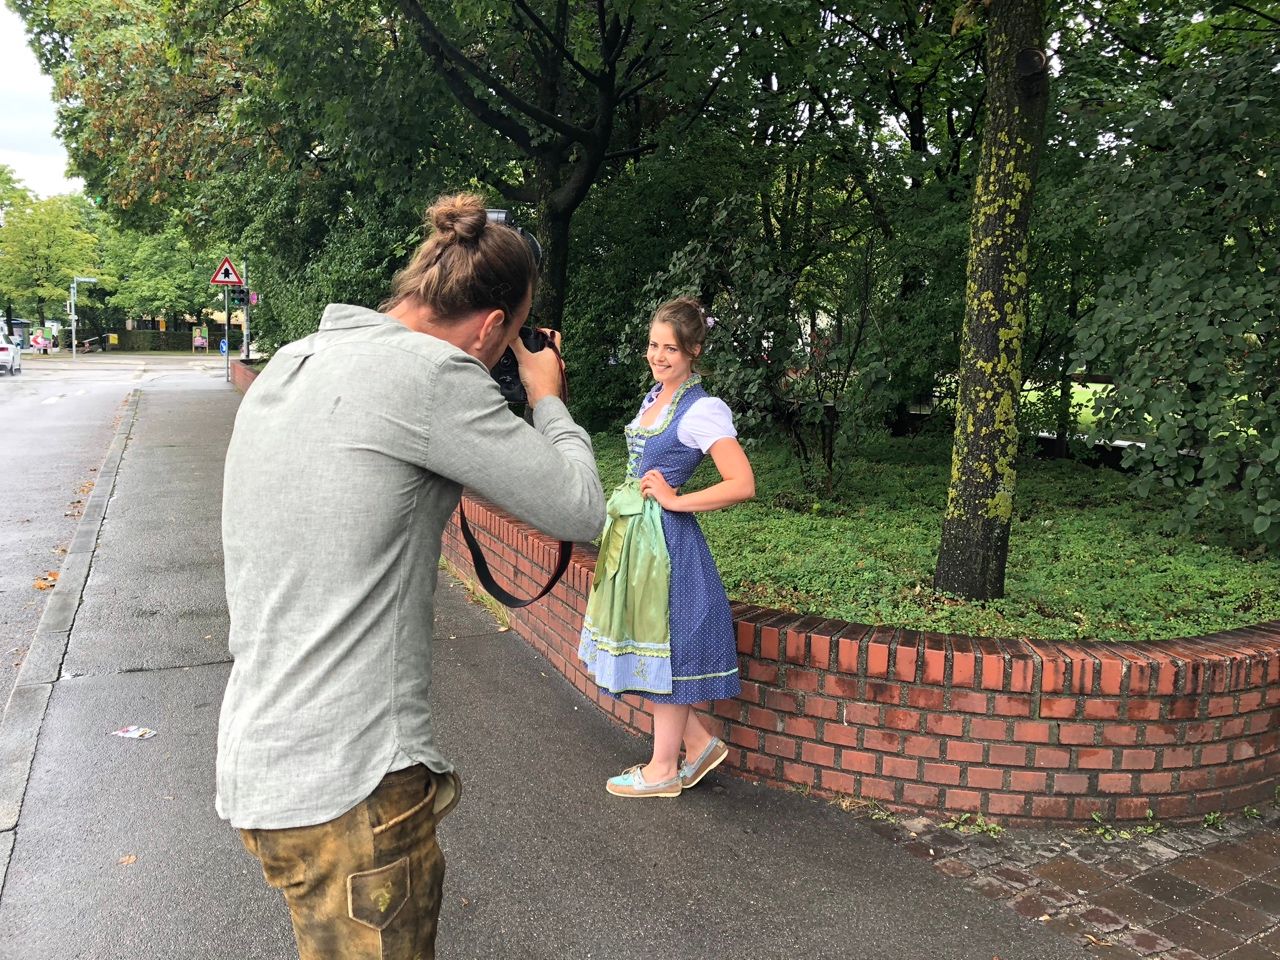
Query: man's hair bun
pixel 461 217
pixel 466 263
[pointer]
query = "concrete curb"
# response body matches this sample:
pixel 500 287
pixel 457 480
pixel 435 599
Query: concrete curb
pixel 41 668
pixel 43 663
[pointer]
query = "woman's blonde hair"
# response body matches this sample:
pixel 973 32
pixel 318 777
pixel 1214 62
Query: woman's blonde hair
pixel 688 321
pixel 466 263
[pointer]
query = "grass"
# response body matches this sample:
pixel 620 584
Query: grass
pixel 1082 397
pixel 1088 559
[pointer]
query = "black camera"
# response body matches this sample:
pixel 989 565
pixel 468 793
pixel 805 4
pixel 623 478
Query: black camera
pixel 504 217
pixel 507 371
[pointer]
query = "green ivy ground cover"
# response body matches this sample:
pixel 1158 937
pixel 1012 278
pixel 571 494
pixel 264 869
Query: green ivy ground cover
pixel 1088 559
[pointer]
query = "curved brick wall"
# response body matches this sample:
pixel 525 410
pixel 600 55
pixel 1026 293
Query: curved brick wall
pixel 1021 731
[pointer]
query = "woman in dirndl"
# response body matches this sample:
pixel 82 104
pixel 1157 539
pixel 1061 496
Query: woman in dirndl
pixel 658 621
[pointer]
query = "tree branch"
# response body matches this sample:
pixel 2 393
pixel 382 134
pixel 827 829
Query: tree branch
pixel 486 114
pixel 556 42
pixel 697 112
pixel 631 152
pixel 635 88
pixel 869 37
pixel 437 44
pixel 1129 45
pixel 1257 13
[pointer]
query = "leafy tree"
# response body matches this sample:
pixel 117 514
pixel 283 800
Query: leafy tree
pixel 817 374
pixel 568 90
pixel 537 101
pixel 975 531
pixel 12 194
pixel 1188 322
pixel 142 133
pixel 43 245
pixel 158 274
pixel 12 191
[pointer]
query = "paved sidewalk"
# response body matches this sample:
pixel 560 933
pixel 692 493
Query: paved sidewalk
pixel 1132 891
pixel 117 852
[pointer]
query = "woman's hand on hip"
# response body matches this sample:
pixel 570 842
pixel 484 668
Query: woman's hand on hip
pixel 654 486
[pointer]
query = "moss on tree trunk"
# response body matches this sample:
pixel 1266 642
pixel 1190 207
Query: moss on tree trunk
pixel 975 530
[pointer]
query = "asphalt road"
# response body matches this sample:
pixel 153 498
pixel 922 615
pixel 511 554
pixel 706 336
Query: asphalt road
pixel 118 854
pixel 58 417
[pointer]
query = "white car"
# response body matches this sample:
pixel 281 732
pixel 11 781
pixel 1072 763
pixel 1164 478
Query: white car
pixel 10 354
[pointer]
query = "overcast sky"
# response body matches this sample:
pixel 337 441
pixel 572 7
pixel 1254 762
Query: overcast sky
pixel 27 115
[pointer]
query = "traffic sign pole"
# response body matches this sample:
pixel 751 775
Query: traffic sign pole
pixel 227 277
pixel 248 300
pixel 226 327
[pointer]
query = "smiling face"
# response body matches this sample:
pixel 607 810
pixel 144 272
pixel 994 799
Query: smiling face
pixel 670 365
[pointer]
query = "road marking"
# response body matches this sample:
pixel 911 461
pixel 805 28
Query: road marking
pixel 50 400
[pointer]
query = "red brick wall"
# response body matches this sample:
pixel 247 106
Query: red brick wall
pixel 1022 732
pixel 242 375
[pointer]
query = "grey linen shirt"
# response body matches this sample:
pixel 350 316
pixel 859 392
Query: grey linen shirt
pixel 348 456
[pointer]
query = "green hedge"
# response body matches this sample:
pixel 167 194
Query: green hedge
pixel 142 340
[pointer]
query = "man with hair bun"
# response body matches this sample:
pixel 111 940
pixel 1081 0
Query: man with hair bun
pixel 349 455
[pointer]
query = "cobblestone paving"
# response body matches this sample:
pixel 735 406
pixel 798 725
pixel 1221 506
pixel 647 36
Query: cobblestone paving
pixel 1174 893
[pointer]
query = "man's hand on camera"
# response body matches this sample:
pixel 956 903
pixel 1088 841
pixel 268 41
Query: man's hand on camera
pixel 539 372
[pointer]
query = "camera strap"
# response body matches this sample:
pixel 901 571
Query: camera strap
pixel 481 565
pixel 486 578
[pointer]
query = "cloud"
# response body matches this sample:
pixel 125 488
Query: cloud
pixel 27 141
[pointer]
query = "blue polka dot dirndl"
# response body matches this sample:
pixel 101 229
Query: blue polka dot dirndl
pixel 701 661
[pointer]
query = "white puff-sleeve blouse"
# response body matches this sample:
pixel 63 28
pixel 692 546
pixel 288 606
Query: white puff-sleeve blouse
pixel 709 419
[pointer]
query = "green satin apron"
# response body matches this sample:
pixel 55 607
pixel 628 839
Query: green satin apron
pixel 628 609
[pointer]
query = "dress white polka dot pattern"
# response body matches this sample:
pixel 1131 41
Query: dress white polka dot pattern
pixel 704 657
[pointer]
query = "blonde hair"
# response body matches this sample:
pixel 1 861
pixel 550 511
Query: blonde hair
pixel 688 321
pixel 466 263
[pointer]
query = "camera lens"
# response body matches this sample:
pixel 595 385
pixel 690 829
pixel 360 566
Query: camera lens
pixel 533 339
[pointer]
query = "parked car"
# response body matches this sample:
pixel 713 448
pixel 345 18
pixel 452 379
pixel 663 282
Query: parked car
pixel 10 354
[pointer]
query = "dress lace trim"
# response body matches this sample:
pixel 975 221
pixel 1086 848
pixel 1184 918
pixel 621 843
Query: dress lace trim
pixel 657 428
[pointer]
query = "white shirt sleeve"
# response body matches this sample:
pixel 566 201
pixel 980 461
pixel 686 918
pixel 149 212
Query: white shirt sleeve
pixel 708 420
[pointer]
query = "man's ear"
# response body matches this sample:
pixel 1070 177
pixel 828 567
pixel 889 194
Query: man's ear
pixel 494 324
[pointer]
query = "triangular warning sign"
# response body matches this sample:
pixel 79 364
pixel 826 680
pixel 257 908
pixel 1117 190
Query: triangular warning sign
pixel 226 274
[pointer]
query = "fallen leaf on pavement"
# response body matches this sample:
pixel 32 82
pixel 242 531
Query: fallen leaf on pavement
pixel 1096 941
pixel 46 581
pixel 125 861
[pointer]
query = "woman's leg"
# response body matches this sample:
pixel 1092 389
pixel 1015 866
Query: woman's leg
pixel 669 720
pixel 696 734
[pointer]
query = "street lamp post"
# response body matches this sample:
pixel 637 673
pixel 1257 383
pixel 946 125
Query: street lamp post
pixel 74 282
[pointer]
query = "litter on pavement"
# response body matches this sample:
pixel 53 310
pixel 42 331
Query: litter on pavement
pixel 134 733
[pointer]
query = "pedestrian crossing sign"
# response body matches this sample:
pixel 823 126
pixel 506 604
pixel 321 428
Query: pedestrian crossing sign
pixel 226 275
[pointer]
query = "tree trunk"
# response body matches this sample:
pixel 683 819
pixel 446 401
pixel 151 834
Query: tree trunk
pixel 975 531
pixel 1065 392
pixel 553 277
pixel 1065 396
